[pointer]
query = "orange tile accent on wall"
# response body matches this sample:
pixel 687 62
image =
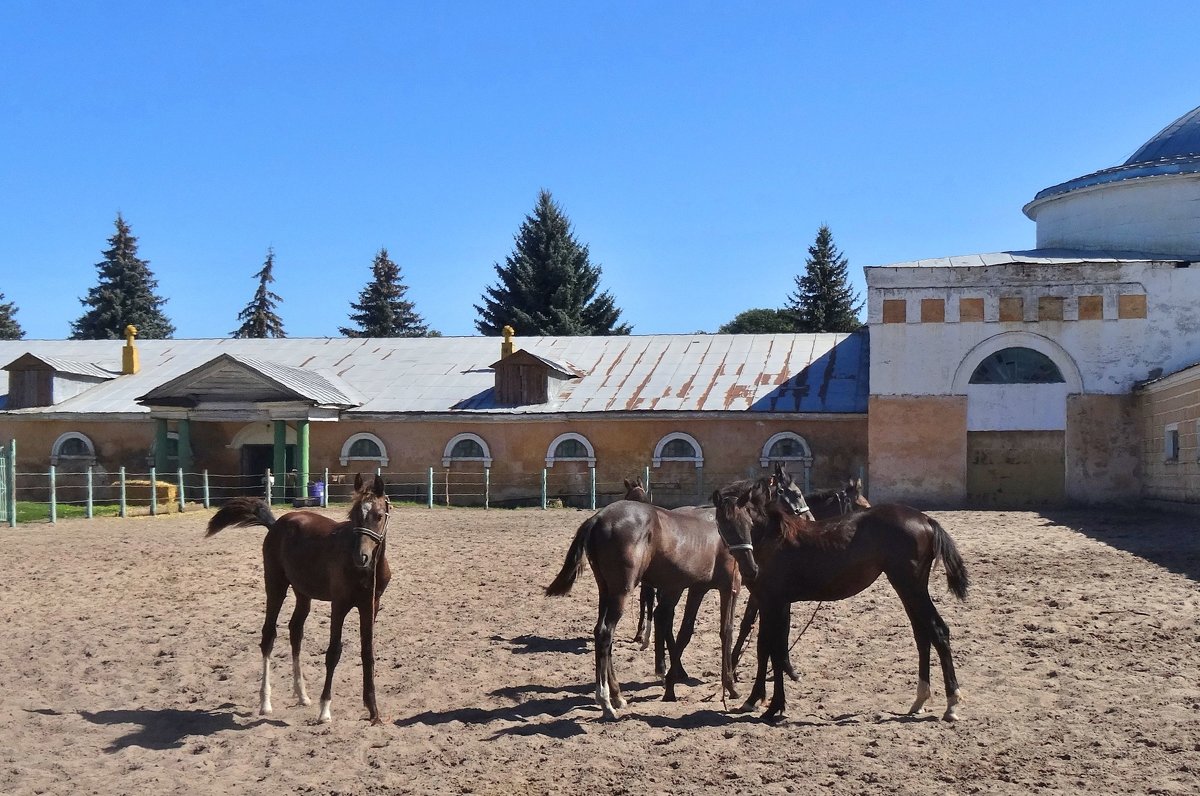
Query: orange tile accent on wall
pixel 1091 308
pixel 1050 308
pixel 970 310
pixel 895 311
pixel 1012 308
pixel 1131 306
pixel 933 311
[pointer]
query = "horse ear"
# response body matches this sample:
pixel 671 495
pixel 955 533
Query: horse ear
pixel 639 483
pixel 358 482
pixel 378 487
pixel 716 497
pixel 628 485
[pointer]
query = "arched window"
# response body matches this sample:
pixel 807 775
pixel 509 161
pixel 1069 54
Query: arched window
pixel 678 447
pixel 364 448
pixel 785 447
pixel 570 447
pixel 1017 365
pixel 467 448
pixel 73 448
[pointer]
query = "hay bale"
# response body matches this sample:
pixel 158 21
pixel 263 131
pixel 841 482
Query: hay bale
pixel 137 493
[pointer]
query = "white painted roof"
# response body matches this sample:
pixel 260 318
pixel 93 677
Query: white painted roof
pixel 1034 257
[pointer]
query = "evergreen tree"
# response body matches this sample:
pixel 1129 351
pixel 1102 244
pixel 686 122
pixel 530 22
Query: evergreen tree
pixel 259 318
pixel 124 295
pixel 547 285
pixel 824 301
pixel 381 310
pixel 759 321
pixel 9 328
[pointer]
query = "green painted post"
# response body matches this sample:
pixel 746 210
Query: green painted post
pixel 153 491
pixel 53 498
pixel 185 443
pixel 302 448
pixel 543 489
pixel 430 487
pixel 122 511
pixel 89 493
pixel 487 487
pixel 160 443
pixel 280 462
pixel 181 500
pixel 592 471
pixel 207 501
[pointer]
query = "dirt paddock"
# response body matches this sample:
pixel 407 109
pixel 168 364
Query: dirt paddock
pixel 130 664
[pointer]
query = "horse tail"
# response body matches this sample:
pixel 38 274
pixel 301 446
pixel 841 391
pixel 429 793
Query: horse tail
pixel 239 512
pixel 574 561
pixel 956 571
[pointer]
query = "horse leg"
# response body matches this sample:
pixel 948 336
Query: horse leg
pixel 608 692
pixel 645 616
pixel 277 588
pixel 941 642
pixel 773 624
pixel 928 628
pixel 295 636
pixel 337 618
pixel 366 634
pixel 744 629
pixel 728 604
pixel 687 625
pixel 664 637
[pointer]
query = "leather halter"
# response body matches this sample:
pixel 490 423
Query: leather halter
pixel 377 536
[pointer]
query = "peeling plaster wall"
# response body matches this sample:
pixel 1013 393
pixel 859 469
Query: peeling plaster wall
pixel 918 450
pixel 1103 465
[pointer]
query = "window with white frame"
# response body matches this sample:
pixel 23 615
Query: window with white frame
pixel 1171 443
pixel 678 447
pixel 73 448
pixel 785 447
pixel 570 447
pixel 467 448
pixel 364 448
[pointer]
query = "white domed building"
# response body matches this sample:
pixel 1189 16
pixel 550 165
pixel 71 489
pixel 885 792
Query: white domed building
pixel 1062 373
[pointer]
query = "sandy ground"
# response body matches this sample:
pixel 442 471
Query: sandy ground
pixel 131 665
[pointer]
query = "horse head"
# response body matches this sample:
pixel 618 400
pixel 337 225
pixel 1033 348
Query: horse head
pixel 369 516
pixel 735 524
pixel 854 491
pixel 787 493
pixel 635 490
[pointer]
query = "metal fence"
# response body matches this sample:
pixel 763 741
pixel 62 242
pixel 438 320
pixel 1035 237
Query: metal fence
pixel 91 492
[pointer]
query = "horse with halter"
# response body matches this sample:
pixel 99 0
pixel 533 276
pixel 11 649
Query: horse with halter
pixel 786 557
pixel 319 558
pixel 630 542
pixel 824 505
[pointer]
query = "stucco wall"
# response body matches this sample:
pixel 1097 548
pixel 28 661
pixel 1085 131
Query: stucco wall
pixel 918 449
pixel 1102 445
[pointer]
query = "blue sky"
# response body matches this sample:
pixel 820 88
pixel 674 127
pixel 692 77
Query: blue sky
pixel 696 147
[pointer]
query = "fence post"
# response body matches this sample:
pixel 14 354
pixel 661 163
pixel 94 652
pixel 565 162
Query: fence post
pixel 325 491
pixel 430 487
pixel 153 491
pixel 181 501
pixel 268 482
pixel 207 501
pixel 53 498
pixel 487 487
pixel 543 488
pixel 646 480
pixel 89 493
pixel 12 483
pixel 122 511
pixel 592 470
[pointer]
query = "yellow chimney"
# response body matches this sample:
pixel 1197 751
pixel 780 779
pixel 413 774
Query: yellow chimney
pixel 129 354
pixel 507 346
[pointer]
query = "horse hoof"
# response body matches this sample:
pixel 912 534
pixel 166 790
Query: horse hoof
pixel 376 722
pixel 304 701
pixel 774 716
pixel 748 706
pixel 795 678
pixel 619 702
pixel 265 710
pixel 950 715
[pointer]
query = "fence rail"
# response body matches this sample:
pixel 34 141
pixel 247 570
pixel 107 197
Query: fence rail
pixel 90 492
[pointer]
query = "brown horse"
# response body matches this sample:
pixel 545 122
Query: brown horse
pixel 343 563
pixel 785 559
pixel 636 491
pixel 824 505
pixel 627 543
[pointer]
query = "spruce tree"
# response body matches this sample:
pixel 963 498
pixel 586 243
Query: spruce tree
pixel 824 301
pixel 259 318
pixel 547 285
pixel 124 295
pixel 381 310
pixel 9 328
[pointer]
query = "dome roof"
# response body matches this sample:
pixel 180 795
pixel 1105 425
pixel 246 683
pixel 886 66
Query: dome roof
pixel 1174 150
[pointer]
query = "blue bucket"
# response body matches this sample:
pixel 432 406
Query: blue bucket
pixel 316 490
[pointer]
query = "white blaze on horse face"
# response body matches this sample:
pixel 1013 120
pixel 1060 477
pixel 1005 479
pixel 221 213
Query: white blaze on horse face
pixel 264 692
pixel 298 682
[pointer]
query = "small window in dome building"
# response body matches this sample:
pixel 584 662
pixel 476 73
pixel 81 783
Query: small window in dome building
pixel 1017 366
pixel 74 447
pixel 570 449
pixel 678 449
pixel 786 448
pixel 466 449
pixel 365 449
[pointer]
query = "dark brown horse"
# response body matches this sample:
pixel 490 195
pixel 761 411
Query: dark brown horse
pixel 628 543
pixel 824 505
pixel 635 490
pixel 343 563
pixel 785 558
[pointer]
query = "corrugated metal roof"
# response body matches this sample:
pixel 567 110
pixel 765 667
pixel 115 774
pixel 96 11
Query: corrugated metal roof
pixel 824 373
pixel 1034 257
pixel 60 365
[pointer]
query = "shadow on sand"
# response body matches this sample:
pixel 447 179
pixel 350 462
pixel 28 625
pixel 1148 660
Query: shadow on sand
pixel 166 728
pixel 1165 538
